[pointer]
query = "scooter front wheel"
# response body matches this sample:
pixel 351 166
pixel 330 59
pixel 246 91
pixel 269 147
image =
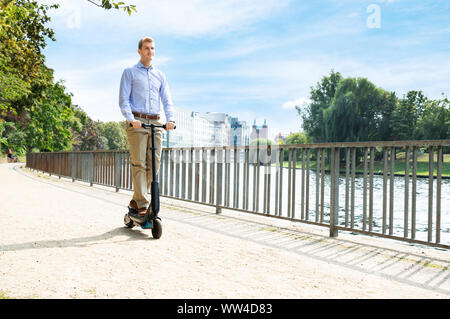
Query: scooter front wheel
pixel 157 228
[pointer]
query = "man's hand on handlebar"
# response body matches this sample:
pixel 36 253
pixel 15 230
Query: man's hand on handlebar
pixel 170 126
pixel 136 124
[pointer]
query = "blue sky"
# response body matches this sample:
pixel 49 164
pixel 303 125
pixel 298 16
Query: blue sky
pixel 253 59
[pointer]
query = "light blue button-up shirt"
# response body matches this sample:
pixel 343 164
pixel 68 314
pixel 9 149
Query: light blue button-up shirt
pixel 141 90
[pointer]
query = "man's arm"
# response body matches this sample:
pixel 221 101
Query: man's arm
pixel 124 98
pixel 166 99
pixel 125 94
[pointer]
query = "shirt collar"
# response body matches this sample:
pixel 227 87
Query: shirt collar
pixel 140 65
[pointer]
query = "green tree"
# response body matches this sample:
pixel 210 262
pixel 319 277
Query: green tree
pixel 297 138
pixel 434 124
pixel 385 116
pixel 320 96
pixel 108 4
pixel 114 135
pixel 86 135
pixel 24 76
pixel 48 127
pixel 23 35
pixel 355 113
pixel 294 138
pixel 408 111
pixel 3 141
pixel 261 141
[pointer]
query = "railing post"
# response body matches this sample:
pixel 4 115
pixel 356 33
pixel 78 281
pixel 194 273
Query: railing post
pixel 50 163
pixel 91 168
pixel 73 166
pixel 438 194
pixel 190 172
pixel 204 163
pixel 334 191
pixel 118 170
pixel 219 181
pixel 211 175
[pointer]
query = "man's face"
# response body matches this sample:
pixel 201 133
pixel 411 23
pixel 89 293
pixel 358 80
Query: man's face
pixel 147 51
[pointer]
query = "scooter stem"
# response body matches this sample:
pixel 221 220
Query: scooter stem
pixel 154 186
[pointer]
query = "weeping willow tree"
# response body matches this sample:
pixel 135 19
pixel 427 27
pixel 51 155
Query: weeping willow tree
pixel 356 111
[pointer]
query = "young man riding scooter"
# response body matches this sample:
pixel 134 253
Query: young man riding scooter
pixel 141 88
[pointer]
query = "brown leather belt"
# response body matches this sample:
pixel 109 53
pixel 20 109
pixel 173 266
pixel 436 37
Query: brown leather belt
pixel 147 116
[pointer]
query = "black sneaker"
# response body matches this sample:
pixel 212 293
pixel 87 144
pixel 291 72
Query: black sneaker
pixel 135 215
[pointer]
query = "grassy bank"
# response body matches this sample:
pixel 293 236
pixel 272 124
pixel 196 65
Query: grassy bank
pixel 399 166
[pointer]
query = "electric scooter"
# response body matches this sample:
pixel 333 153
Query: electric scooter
pixel 151 221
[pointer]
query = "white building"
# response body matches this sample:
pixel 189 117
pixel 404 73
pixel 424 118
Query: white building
pixel 196 129
pixel 239 133
pixel 202 131
pixel 222 125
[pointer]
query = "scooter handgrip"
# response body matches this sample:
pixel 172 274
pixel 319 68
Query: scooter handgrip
pixel 143 125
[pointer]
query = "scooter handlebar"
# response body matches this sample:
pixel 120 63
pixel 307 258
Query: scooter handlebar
pixel 146 126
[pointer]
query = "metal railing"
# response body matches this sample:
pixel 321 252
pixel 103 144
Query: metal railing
pixel 326 190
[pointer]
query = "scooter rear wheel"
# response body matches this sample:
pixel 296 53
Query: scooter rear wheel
pixel 156 229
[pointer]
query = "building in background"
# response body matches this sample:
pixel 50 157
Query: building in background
pixel 259 131
pixel 281 137
pixel 192 130
pixel 195 129
pixel 221 125
pixel 239 133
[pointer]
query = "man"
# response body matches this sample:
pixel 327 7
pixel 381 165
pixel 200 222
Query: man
pixel 10 156
pixel 141 89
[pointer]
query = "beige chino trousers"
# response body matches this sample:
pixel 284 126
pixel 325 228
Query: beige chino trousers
pixel 140 142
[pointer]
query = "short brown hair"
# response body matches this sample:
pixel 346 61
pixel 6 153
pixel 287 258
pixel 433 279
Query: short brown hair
pixel 146 39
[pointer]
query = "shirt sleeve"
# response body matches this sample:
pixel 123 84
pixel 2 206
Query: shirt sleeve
pixel 125 95
pixel 166 99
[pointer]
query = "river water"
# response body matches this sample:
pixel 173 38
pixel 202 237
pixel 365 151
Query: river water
pixel 421 224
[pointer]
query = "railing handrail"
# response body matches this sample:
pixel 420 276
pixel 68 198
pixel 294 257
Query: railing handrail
pixel 403 143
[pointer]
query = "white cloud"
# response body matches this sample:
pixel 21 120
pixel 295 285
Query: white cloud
pixel 198 17
pixel 300 102
pixel 175 17
pixel 295 77
pixel 109 70
pixel 99 103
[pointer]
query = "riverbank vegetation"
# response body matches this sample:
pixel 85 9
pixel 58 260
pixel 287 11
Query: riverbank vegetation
pixel 399 165
pixel 354 109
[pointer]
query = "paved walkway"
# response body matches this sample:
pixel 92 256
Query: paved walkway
pixel 60 239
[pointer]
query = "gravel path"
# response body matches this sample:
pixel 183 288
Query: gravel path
pixel 60 239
